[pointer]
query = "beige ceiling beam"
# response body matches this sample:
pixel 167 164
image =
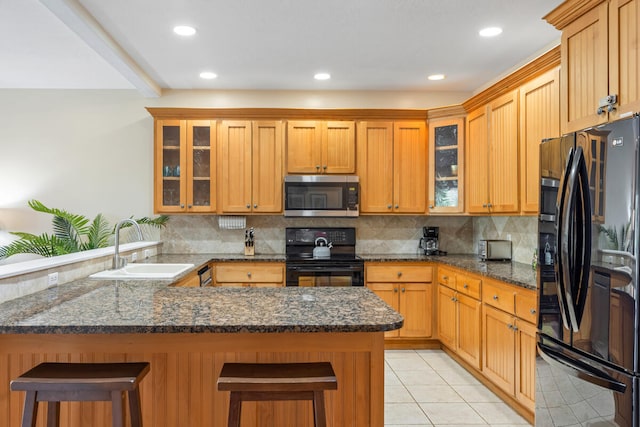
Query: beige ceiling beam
pixel 81 22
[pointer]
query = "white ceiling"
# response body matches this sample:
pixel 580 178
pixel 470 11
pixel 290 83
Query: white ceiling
pixel 267 44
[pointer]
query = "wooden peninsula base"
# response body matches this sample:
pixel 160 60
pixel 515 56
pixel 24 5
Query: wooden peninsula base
pixel 181 390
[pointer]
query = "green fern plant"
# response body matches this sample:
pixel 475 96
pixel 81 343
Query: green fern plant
pixel 71 233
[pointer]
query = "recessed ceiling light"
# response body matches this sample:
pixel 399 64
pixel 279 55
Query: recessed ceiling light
pixel 208 75
pixel 322 76
pixel 184 30
pixel 436 77
pixel 490 31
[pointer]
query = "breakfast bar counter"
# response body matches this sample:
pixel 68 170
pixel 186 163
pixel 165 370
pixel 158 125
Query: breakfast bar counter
pixel 188 333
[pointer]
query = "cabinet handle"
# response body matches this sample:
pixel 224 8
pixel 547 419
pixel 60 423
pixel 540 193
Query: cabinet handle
pixel 495 297
pixel 489 205
pixel 248 206
pixel 255 206
pixel 324 167
pixel 430 206
pixel 181 206
pixel 399 273
pixel 395 290
pixel 402 290
pixel 484 205
pixel 317 167
pixel 453 299
pixel 388 206
pixel 515 328
pixel 532 311
pixel 189 206
pixel 397 206
pixel 465 286
pixel 249 274
pixel 445 277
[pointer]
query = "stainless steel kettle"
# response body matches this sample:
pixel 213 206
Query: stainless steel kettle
pixel 322 249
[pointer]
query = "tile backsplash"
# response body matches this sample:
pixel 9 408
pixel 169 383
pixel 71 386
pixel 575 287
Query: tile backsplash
pixel 375 234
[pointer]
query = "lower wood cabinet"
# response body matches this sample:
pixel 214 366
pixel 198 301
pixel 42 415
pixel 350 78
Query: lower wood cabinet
pixel 408 289
pixel 245 274
pixel 508 359
pixel 459 314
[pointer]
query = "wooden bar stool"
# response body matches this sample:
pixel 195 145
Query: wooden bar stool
pixel 277 381
pixel 81 382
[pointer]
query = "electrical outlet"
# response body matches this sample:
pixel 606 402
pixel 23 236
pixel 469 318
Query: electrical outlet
pixel 147 253
pixel 134 257
pixel 53 278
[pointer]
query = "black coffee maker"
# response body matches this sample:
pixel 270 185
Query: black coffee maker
pixel 429 241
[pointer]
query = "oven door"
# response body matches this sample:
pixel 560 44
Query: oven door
pixel 325 275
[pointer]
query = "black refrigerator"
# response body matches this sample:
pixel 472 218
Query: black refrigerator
pixel 588 364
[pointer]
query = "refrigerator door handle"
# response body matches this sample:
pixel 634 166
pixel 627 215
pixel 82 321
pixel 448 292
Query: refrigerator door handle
pixel 584 240
pixel 562 242
pixel 580 369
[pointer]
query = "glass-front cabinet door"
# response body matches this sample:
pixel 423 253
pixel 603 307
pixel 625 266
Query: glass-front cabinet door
pixel 185 166
pixel 446 165
pixel 201 161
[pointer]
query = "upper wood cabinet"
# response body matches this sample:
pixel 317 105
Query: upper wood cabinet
pixel 392 159
pixel 492 150
pixel 600 58
pixel 185 161
pixel 250 166
pixel 446 165
pixel 539 119
pixel 318 147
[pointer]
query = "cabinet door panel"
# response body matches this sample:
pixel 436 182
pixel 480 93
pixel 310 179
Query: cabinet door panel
pixel 477 174
pixel 267 171
pixel 526 365
pixel 170 152
pixel 446 165
pixel 584 70
pixel 304 147
pixel 375 166
pixel 235 166
pixel 624 55
pixel 416 305
pixel 503 154
pixel 409 167
pixel 469 332
pixel 539 119
pixel 201 166
pixel 499 340
pixel 339 148
pixel 447 317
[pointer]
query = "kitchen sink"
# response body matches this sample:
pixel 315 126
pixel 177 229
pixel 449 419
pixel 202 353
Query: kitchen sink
pixel 144 271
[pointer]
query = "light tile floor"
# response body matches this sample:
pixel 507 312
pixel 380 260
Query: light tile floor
pixel 428 388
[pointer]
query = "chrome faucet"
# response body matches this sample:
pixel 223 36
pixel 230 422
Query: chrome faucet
pixel 117 262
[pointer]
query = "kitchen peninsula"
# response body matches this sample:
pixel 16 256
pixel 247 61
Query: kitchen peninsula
pixel 188 333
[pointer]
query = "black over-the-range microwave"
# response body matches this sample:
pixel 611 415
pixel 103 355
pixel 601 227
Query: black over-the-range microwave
pixel 321 195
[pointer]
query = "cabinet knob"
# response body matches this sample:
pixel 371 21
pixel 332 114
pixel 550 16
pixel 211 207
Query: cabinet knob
pixel 255 206
pixel 388 206
pixel 453 299
pixel 445 277
pixel 248 206
pixel 430 206
pixel 189 206
pixel 510 326
pixel 181 206
pixel 395 290
pixel 495 297
pixel 484 205
pixel 324 167
pixel 515 328
pixel 249 274
pixel 397 206
pixel 489 205
pixel 318 167
pixel 465 286
pixel 403 290
pixel 399 273
pixel 532 311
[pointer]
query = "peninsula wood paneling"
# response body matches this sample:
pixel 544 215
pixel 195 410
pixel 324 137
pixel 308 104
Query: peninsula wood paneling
pixel 181 390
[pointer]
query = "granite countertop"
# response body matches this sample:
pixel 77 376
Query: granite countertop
pixel 90 306
pixel 511 272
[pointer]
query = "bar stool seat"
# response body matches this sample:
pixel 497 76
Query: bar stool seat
pixel 81 382
pixel 277 381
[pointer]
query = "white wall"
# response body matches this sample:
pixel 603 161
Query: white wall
pixel 91 152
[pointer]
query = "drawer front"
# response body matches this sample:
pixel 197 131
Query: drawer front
pixel 499 296
pixel 447 277
pixel 468 285
pixel 249 273
pixel 399 273
pixel 527 306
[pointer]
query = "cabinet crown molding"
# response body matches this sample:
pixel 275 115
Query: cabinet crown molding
pixel 569 11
